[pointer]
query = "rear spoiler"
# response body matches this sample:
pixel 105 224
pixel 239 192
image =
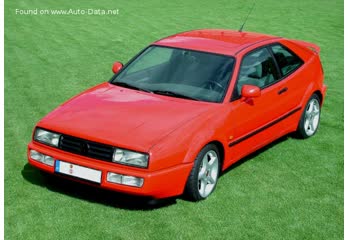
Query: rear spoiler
pixel 313 47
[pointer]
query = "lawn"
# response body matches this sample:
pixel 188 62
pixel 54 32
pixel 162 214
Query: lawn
pixel 293 189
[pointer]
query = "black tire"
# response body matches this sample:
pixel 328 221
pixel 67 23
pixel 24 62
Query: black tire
pixel 302 132
pixel 192 188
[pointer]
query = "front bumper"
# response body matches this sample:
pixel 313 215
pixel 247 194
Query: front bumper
pixel 157 184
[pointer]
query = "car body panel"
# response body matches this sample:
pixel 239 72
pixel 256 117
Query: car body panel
pixel 173 130
pixel 128 113
pixel 219 41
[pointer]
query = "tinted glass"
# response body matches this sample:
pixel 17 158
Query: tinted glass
pixel 287 61
pixel 163 70
pixel 153 58
pixel 257 69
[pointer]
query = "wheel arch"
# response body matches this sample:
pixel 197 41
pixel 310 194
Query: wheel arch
pixel 319 95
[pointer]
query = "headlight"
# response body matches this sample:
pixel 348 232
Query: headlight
pixel 47 137
pixel 130 158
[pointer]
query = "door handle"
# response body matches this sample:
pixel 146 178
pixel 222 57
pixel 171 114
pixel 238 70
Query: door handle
pixel 285 89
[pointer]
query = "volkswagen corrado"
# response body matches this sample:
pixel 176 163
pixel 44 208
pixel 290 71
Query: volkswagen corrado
pixel 181 111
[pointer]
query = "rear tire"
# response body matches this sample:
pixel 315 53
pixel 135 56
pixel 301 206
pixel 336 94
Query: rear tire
pixel 204 174
pixel 310 119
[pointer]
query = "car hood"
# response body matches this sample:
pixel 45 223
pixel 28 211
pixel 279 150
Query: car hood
pixel 122 117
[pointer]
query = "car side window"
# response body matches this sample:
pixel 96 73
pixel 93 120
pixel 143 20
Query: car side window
pixel 258 69
pixel 287 61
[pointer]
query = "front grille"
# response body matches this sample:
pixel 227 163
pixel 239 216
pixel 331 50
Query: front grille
pixel 86 148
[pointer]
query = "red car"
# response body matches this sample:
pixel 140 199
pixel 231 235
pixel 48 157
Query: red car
pixel 183 110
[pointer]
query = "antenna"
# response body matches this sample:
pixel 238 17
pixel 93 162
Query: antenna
pixel 251 9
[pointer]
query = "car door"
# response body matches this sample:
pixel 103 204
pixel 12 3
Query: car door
pixel 294 86
pixel 252 121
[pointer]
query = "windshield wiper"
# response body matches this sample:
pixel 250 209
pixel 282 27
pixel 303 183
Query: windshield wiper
pixel 127 85
pixel 174 94
pixel 161 92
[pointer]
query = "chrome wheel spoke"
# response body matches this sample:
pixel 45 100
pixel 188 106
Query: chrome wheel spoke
pixel 211 180
pixel 204 166
pixel 311 126
pixel 212 161
pixel 307 123
pixel 202 186
pixel 201 174
pixel 308 114
pixel 311 107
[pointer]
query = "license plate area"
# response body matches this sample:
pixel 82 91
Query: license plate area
pixel 78 171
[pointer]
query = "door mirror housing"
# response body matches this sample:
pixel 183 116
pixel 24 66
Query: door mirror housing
pixel 117 66
pixel 250 91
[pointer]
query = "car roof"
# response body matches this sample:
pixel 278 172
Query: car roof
pixel 220 41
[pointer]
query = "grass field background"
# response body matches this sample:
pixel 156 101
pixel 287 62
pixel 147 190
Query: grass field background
pixel 293 189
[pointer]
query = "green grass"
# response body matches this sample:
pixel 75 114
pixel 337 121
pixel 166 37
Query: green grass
pixel 291 190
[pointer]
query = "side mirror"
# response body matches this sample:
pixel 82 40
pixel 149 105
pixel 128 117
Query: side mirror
pixel 117 66
pixel 250 91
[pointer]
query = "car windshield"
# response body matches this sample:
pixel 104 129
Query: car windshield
pixel 178 73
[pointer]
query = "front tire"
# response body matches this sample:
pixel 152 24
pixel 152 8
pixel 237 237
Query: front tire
pixel 310 118
pixel 204 174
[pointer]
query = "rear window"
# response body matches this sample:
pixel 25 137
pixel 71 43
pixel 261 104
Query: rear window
pixel 287 61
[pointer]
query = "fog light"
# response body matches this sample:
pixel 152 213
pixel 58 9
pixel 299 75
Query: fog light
pixel 114 177
pixel 48 160
pixel 124 179
pixel 132 181
pixel 37 156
